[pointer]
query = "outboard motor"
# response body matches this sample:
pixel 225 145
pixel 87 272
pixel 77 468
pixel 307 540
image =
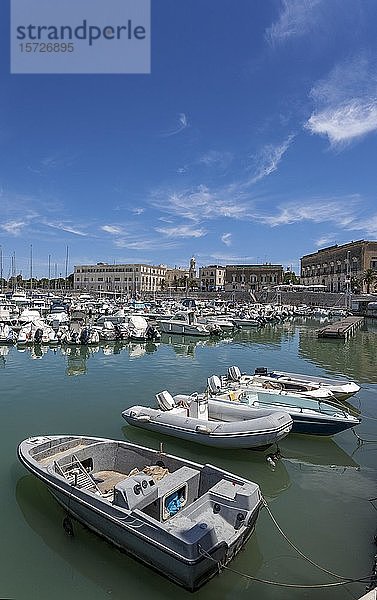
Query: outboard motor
pixel 214 384
pixel 84 336
pixel 38 336
pixel 118 332
pixel 151 333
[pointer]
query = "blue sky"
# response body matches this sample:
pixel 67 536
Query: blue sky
pixel 253 140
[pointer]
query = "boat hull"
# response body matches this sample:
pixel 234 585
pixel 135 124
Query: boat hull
pixel 184 563
pixel 246 433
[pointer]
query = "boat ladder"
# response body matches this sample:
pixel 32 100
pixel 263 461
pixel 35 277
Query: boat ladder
pixel 76 474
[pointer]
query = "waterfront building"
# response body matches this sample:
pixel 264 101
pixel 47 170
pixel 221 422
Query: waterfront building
pixel 339 268
pixel 123 278
pixel 211 278
pixel 175 278
pixel 252 277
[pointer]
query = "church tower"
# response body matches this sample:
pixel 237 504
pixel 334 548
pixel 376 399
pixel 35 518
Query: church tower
pixel 192 270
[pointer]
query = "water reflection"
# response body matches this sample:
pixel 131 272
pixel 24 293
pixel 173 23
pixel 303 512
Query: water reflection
pixel 186 345
pixel 273 335
pixel 356 358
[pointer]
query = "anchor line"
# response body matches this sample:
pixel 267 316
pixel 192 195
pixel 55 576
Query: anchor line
pixel 360 440
pixel 343 580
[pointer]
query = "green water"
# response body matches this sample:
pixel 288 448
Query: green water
pixel 319 492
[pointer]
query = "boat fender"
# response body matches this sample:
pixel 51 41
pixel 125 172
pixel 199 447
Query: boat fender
pixel 68 526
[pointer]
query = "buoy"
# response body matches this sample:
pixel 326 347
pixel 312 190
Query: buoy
pixel 68 526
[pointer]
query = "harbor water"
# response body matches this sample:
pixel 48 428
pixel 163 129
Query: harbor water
pixel 320 492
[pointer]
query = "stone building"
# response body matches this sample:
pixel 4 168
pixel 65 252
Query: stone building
pixel 211 278
pixel 252 277
pixel 175 278
pixel 128 279
pixel 340 267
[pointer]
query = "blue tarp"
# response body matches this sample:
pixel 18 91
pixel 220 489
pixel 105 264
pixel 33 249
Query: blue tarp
pixel 173 504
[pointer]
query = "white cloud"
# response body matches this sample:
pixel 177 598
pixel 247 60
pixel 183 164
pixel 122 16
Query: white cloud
pixel 345 102
pixel 230 259
pixel 13 227
pixel 325 240
pixel 268 159
pixel 113 229
pixel 297 18
pixel 341 211
pixel 215 158
pixel 202 203
pixel 66 227
pixel 226 239
pixel 344 123
pixel 182 124
pixel 182 231
pixel 137 210
pixel 144 244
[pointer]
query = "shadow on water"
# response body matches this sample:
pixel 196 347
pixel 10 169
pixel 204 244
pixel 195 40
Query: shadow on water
pixel 314 451
pixel 111 570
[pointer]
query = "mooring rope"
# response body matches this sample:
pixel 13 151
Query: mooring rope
pixel 360 440
pixel 343 580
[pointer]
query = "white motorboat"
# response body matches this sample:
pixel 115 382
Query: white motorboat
pixel 140 330
pixel 185 520
pixel 7 335
pixel 184 323
pixel 312 416
pixel 36 332
pixel 193 419
pixel 341 389
pixel 234 379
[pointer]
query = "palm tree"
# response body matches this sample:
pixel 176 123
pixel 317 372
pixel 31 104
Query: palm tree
pixel 369 278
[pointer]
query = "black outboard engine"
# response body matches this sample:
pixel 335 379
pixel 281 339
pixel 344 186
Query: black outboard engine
pixel 151 333
pixel 118 332
pixel 261 371
pixel 38 336
pixel 84 336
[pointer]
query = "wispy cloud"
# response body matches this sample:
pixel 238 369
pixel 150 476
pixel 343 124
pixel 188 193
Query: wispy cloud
pixel 112 229
pixel 216 158
pixel 228 258
pixel 325 240
pixel 202 203
pixel 344 123
pixel 49 163
pixel 268 159
pixel 146 243
pixel 345 103
pixel 181 125
pixel 13 227
pixel 341 211
pixel 226 239
pixel 137 210
pixel 65 227
pixel 182 231
pixel 296 18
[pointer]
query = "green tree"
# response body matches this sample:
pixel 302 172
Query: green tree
pixel 370 278
pixel 290 277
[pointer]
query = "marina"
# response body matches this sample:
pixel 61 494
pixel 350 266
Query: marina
pixel 66 389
